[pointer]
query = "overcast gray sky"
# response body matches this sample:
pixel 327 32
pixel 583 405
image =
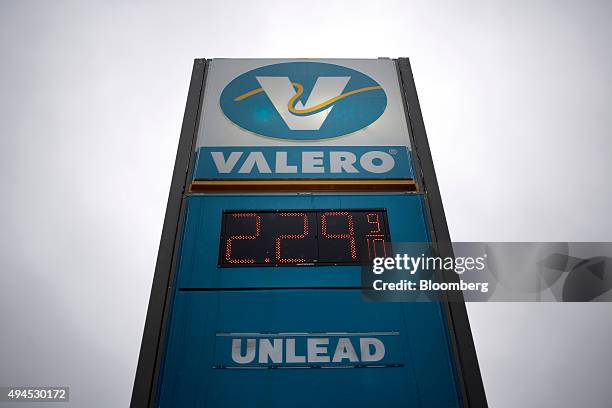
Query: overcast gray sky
pixel 516 99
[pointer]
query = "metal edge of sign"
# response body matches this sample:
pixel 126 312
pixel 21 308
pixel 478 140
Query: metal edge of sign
pixel 301 185
pixel 153 339
pixel 466 360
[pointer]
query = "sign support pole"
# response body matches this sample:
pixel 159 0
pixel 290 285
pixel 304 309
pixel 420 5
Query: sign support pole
pixel 457 317
pixel 143 394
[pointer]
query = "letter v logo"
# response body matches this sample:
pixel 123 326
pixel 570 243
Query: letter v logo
pixel 302 100
pixel 280 91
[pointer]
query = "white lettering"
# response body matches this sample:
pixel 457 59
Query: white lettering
pixel 281 164
pixel 237 354
pixel 225 166
pixel 317 348
pixel 386 162
pixel 379 349
pixel 255 159
pixel 312 162
pixel 342 161
pixel 291 356
pixel 273 352
pixel 345 349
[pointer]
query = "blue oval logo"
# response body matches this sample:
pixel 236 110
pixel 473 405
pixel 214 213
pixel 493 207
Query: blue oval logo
pixel 303 100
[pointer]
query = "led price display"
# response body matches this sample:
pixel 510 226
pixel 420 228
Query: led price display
pixel 296 237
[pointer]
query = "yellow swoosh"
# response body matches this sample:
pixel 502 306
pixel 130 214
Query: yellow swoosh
pixel 300 91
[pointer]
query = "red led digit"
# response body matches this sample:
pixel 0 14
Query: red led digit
pixel 373 219
pixel 375 236
pixel 304 233
pixel 228 243
pixel 372 253
pixel 350 235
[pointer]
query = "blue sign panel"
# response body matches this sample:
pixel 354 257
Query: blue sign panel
pixel 299 335
pixel 321 162
pixel 199 257
pixel 303 100
pixel 305 348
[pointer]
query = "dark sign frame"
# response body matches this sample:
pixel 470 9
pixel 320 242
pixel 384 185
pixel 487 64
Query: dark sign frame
pixel 470 378
pixel 153 340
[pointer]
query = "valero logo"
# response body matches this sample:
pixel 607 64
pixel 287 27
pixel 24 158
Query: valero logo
pixel 303 100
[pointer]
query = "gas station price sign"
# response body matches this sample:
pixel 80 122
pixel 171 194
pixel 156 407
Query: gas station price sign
pixel 302 237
